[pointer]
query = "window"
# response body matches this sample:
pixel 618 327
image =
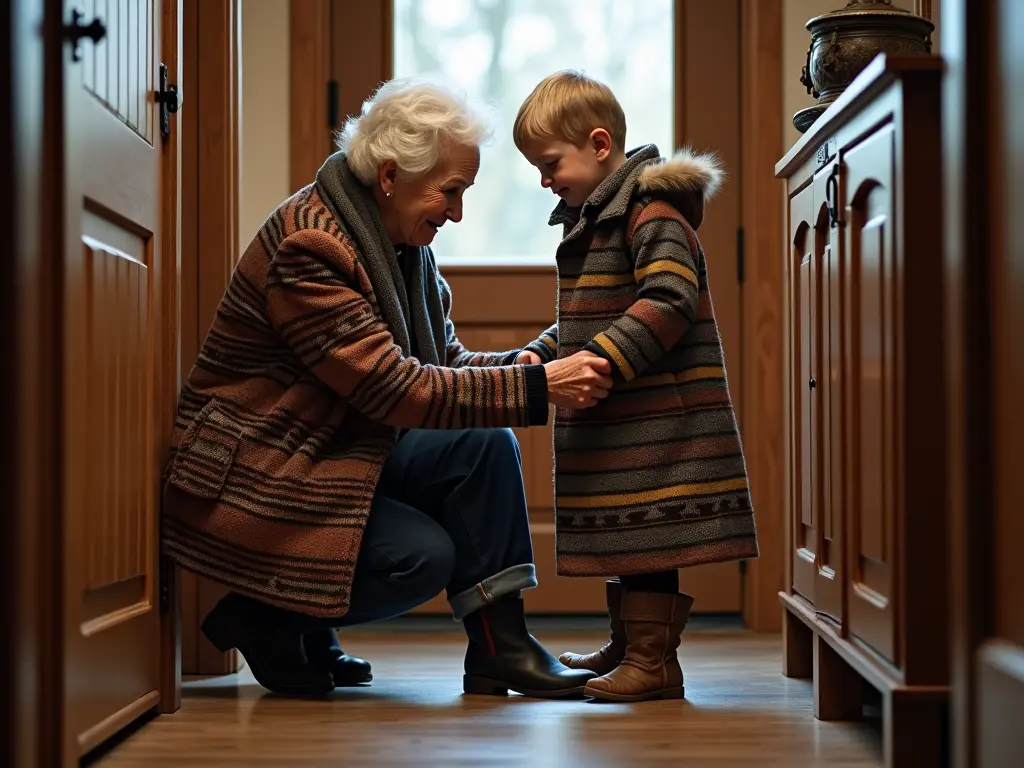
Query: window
pixel 497 51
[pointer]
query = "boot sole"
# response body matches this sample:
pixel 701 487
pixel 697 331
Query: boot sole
pixel 224 639
pixel 484 686
pixel 662 694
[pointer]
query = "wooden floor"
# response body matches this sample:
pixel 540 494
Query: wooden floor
pixel 739 710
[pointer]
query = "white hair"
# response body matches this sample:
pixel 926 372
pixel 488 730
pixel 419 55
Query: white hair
pixel 410 121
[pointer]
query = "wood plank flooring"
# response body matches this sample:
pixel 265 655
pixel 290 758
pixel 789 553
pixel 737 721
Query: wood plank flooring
pixel 739 711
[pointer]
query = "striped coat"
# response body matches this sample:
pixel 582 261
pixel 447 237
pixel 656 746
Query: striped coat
pixel 300 389
pixel 652 478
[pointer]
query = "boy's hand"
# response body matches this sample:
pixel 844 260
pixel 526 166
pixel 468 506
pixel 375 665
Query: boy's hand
pixel 526 357
pixel 578 381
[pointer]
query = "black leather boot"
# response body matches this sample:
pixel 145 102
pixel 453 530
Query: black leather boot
pixel 503 656
pixel 272 649
pixel 324 651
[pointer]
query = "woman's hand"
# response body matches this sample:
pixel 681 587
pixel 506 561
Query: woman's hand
pixel 578 381
pixel 526 357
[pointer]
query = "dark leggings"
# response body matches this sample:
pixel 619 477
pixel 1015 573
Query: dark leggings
pixel 665 582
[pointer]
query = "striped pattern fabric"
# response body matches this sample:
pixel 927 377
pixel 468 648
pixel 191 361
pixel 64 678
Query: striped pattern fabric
pixel 653 478
pixel 294 404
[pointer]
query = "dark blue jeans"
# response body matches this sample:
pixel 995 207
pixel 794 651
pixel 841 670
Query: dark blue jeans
pixel 449 514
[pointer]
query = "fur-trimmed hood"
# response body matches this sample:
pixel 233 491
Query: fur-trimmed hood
pixel 687 180
pixel 687 171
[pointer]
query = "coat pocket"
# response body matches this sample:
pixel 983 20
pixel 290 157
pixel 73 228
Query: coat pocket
pixel 206 453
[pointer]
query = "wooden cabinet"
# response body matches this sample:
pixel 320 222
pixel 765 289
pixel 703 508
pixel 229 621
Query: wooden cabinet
pixel 866 592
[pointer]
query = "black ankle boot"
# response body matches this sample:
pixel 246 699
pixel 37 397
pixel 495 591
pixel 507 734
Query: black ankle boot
pixel 324 651
pixel 273 649
pixel 503 656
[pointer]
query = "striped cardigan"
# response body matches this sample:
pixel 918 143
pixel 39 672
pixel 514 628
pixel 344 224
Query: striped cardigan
pixel 653 478
pixel 300 389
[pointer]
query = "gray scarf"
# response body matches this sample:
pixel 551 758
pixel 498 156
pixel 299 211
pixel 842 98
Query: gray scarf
pixel 414 313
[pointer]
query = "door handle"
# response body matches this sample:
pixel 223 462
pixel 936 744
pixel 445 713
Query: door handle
pixel 169 99
pixel 75 31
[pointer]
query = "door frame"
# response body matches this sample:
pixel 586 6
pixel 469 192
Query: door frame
pixel 30 290
pixel 986 673
pixel 210 248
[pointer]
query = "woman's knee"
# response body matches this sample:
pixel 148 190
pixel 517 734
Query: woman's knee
pixel 497 444
pixel 428 569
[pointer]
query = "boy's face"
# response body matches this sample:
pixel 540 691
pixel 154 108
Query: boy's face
pixel 572 172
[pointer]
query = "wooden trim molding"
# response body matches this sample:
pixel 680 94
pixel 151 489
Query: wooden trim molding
pixel 210 139
pixel 340 45
pixel 310 44
pixel 168 380
pixel 763 349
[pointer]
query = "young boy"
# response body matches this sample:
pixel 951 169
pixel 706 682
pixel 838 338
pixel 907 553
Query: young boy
pixel 652 478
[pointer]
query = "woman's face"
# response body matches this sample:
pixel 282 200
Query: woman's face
pixel 417 208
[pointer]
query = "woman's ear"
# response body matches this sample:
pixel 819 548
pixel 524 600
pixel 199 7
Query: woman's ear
pixel 601 143
pixel 386 175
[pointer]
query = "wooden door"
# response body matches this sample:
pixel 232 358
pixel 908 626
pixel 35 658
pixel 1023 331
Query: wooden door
pixel 872 326
pixel 803 396
pixel 826 287
pixel 119 366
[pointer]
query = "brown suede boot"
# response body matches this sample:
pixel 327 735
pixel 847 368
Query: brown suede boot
pixel 650 670
pixel 610 656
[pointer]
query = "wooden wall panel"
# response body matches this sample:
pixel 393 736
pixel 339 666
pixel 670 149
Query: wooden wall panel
pixel 309 132
pixel 210 126
pixel 763 413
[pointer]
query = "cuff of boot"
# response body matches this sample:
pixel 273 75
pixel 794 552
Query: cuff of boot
pixel 511 580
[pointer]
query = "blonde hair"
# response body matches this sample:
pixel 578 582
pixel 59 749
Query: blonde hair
pixel 412 122
pixel 569 106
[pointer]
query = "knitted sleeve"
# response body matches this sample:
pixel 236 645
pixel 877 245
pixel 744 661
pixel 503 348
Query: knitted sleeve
pixel 545 347
pixel 315 305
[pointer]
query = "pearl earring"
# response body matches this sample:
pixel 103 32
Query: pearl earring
pixel 387 194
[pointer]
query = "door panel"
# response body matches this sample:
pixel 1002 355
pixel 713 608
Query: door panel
pixel 873 335
pixel 801 274
pixel 114 351
pixel 827 408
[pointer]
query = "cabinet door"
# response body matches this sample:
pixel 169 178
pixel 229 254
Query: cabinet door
pixel 803 322
pixel 827 399
pixel 872 309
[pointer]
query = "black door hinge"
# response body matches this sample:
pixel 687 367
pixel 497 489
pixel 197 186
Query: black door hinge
pixel 75 31
pixel 169 99
pixel 740 255
pixel 332 104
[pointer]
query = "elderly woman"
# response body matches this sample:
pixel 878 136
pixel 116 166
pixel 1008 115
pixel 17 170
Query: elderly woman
pixel 338 456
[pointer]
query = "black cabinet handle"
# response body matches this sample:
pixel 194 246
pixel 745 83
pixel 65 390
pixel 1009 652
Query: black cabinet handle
pixel 832 196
